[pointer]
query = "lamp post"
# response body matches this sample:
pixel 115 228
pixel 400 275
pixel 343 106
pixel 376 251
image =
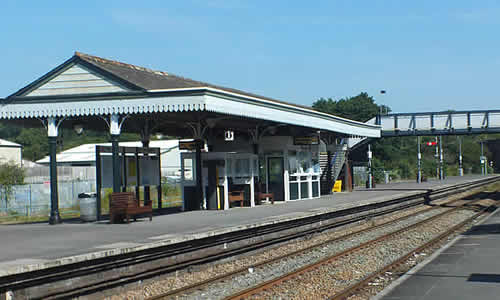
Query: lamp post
pixel 460 166
pixel 419 161
pixel 370 182
pixel 441 169
pixel 437 158
pixel 482 159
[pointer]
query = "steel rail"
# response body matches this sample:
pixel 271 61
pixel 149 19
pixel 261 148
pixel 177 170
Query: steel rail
pixel 276 281
pixel 351 290
pixel 226 276
pixel 70 271
pixel 110 282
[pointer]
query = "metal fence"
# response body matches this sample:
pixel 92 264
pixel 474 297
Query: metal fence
pixel 34 199
pixel 41 174
pixel 360 175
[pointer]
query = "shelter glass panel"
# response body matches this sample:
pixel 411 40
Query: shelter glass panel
pixel 293 165
pixel 188 169
pixel 315 189
pixel 294 191
pixel 304 190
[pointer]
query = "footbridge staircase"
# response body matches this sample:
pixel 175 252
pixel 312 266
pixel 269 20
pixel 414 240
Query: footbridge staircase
pixel 331 164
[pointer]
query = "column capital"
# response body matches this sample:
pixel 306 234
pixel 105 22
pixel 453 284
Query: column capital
pixel 114 124
pixel 52 127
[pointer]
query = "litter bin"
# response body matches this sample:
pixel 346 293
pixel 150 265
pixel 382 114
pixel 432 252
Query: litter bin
pixel 88 209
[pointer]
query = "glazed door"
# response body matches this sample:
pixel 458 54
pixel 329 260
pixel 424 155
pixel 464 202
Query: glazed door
pixel 275 178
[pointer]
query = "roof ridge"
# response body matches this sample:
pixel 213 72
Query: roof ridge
pixel 99 60
pixel 119 63
pixel 157 72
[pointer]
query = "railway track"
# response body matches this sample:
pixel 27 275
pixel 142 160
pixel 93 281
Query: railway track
pixel 153 260
pixel 198 289
pixel 268 289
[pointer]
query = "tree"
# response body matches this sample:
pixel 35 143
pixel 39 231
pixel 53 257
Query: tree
pixel 399 154
pixel 360 108
pixel 34 141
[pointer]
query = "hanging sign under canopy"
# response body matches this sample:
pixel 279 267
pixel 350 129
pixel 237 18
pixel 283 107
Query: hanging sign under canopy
pixel 306 140
pixel 191 145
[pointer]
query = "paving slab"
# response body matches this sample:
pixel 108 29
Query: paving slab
pixel 468 268
pixel 34 246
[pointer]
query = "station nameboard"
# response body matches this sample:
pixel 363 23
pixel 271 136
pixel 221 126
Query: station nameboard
pixel 189 145
pixel 306 140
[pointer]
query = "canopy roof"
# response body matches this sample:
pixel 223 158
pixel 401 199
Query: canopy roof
pixel 87 85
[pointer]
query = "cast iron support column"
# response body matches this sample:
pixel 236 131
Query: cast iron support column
pixel 347 174
pixel 199 182
pixel 114 130
pixel 147 189
pixel 329 178
pixel 55 218
pixel 116 163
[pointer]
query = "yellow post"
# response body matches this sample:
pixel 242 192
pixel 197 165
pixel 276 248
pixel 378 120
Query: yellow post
pixel 337 187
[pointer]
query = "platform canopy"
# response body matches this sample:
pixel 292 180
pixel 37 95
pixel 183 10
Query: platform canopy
pixel 87 86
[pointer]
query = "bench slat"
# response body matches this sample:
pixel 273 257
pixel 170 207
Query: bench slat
pixel 125 203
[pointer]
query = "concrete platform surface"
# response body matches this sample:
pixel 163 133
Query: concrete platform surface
pixel 468 269
pixel 36 246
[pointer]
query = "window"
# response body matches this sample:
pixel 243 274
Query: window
pixel 304 159
pixel 242 167
pixel 292 162
pixel 315 162
pixel 188 169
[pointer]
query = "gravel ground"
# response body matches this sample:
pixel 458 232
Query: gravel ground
pixel 259 274
pixel 183 278
pixel 190 276
pixel 331 278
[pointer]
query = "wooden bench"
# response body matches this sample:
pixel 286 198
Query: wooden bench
pixel 263 196
pixel 260 194
pixel 236 196
pixel 125 204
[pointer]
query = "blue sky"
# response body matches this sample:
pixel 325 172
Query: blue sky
pixel 428 55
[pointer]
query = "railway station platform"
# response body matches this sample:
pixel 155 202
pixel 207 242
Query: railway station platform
pixel 29 247
pixel 466 268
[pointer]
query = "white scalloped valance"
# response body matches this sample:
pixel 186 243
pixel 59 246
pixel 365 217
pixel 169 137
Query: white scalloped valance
pixel 101 107
pixel 232 106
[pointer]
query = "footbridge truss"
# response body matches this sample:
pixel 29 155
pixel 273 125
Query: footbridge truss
pixel 438 123
pixel 433 123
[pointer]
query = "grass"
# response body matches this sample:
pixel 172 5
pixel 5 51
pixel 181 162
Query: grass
pixel 66 213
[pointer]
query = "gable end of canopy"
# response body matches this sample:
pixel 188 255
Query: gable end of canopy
pixel 75 77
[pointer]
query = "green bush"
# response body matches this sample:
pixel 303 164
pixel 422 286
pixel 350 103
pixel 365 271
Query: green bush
pixel 10 174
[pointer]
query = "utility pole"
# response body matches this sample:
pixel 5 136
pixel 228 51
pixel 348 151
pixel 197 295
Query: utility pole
pixel 437 159
pixel 419 161
pixel 482 160
pixel 441 171
pixel 460 166
pixel 370 183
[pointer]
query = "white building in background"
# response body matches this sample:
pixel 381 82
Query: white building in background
pixel 84 155
pixel 10 152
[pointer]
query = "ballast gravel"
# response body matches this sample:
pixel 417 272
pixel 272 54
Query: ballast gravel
pixel 254 275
